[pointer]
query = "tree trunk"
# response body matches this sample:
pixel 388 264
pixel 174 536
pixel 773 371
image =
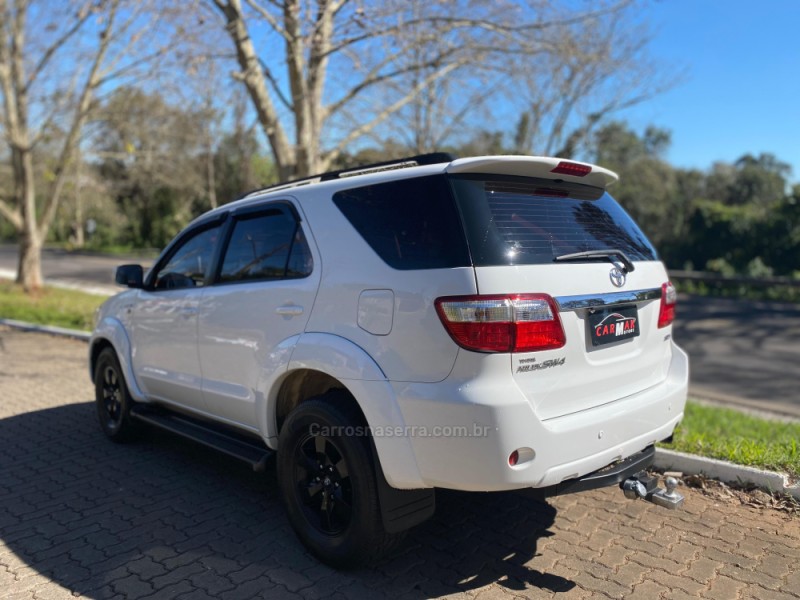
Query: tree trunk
pixel 79 226
pixel 29 267
pixel 80 239
pixel 211 175
pixel 253 77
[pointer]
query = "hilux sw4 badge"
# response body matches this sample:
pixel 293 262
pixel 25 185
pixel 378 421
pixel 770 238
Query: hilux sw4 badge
pixel 614 325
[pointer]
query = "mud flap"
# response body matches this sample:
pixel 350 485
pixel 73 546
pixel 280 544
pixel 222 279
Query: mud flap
pixel 401 509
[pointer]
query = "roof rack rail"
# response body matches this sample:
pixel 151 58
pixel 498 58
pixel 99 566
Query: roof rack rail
pixel 388 165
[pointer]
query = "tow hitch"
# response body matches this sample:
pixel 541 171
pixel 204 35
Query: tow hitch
pixel 642 485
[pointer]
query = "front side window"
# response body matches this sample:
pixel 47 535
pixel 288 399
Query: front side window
pixel 188 265
pixel 270 245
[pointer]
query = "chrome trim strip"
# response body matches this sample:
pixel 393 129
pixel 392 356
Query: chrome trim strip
pixel 568 303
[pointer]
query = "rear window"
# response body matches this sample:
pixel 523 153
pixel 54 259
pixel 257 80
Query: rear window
pixel 529 221
pixel 409 223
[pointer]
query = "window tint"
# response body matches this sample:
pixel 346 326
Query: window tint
pixel 300 261
pixel 410 223
pixel 267 246
pixel 188 265
pixel 521 220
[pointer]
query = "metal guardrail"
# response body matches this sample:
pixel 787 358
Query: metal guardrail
pixel 716 279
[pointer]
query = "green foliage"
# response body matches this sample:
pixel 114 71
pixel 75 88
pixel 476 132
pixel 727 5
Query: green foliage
pixel 7 231
pixel 619 147
pixel 50 306
pixel 150 165
pixel 718 231
pixel 736 219
pixel 738 437
pixel 773 293
pixel 758 181
pixel 647 188
pixel 159 166
pixel 238 166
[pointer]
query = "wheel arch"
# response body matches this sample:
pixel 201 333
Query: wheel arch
pixel 322 362
pixel 299 386
pixel 111 333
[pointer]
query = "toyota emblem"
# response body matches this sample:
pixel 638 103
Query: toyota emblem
pixel 617 277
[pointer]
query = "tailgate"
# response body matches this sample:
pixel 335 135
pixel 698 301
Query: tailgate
pixel 590 370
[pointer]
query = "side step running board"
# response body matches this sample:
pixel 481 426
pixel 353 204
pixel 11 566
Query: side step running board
pixel 250 451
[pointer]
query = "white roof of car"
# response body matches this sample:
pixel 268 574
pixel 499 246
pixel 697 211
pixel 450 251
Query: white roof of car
pixel 523 166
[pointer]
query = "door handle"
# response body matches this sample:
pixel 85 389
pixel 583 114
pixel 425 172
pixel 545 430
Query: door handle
pixel 289 311
pixel 189 310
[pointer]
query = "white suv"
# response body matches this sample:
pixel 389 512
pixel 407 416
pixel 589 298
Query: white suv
pixel 483 324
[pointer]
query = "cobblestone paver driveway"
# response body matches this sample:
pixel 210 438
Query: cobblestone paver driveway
pixel 164 518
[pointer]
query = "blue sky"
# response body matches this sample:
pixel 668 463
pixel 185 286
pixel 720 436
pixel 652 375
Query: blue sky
pixel 741 88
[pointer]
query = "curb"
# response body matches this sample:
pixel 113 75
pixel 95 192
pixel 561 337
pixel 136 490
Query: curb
pixel 669 460
pixel 75 334
pixel 757 407
pixel 672 460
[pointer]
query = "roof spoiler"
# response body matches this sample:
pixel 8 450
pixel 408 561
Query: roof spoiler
pixel 536 166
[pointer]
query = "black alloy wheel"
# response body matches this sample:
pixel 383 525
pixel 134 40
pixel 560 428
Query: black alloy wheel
pixel 327 477
pixel 112 399
pixel 323 484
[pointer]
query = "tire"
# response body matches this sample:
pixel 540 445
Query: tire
pixel 112 399
pixel 328 483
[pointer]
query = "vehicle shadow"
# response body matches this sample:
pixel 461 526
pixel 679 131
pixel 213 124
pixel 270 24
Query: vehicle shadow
pixel 164 517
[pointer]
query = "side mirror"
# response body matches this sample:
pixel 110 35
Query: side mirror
pixel 131 276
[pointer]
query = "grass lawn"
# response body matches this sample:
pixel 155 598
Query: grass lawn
pixel 739 438
pixel 50 306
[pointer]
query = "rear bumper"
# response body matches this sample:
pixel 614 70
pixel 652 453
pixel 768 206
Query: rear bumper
pixel 612 475
pixel 473 421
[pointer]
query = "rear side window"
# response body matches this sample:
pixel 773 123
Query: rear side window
pixel 409 223
pixel 530 221
pixel 270 245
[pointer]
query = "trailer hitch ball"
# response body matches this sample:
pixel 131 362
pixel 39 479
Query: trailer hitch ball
pixel 668 498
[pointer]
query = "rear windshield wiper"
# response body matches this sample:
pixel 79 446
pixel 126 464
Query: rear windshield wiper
pixel 611 253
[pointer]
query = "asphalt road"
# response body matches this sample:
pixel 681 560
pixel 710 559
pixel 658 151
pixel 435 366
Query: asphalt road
pixel 742 353
pixel 79 268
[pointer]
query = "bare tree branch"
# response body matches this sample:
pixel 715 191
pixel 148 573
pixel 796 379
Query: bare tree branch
pixel 436 22
pixel 404 47
pixel 53 48
pixel 387 112
pixel 12 216
pixel 109 76
pixel 78 121
pixel 254 80
pixel 338 5
pixel 374 78
pixel 275 85
pixel 269 18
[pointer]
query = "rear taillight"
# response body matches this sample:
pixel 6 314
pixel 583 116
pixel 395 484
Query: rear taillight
pixel 515 323
pixel 669 297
